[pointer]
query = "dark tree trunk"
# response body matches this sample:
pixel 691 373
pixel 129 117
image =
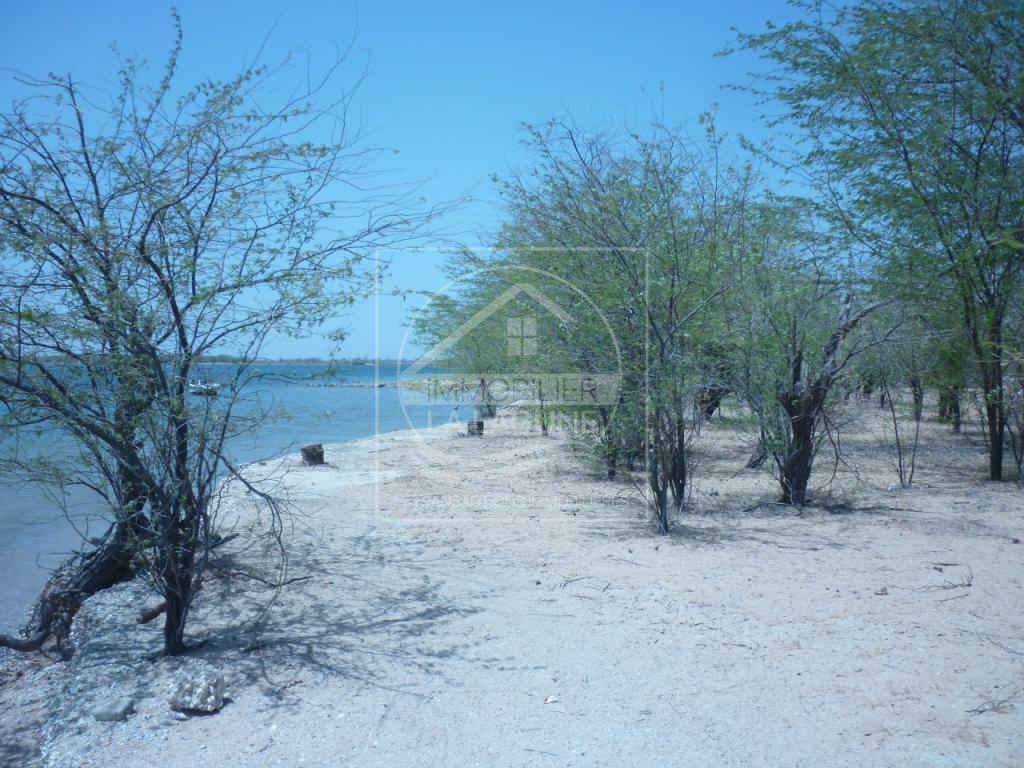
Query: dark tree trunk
pixel 758 457
pixel 177 570
pixel 949 406
pixel 486 408
pixel 610 444
pixel 996 437
pixel 796 468
pixel 543 411
pixel 661 506
pixel 661 462
pixel 175 615
pixel 181 538
pixel 659 491
pixel 631 456
pixel 917 391
pixel 710 400
pixel 78 578
pixel 995 412
pixel 678 471
pixel 804 402
pixel 988 343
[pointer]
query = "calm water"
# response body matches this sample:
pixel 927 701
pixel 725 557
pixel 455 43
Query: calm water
pixel 35 532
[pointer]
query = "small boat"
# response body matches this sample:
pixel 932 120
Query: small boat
pixel 203 388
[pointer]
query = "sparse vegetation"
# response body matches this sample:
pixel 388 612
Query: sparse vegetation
pixel 139 239
pixel 714 425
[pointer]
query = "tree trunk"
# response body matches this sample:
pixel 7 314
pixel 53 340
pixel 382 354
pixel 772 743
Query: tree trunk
pixel 995 423
pixel 757 457
pixel 660 470
pixel 175 614
pixel 710 400
pixel 997 435
pixel 611 462
pixel 917 391
pixel 543 412
pixel 486 407
pixel 609 442
pixel 659 489
pixel 76 579
pixel 796 469
pixel 949 406
pixel 679 471
pixel 954 409
pixel 177 569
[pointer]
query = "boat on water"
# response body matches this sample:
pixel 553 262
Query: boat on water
pixel 203 388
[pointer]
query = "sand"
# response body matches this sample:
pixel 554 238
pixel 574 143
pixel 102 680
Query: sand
pixel 492 602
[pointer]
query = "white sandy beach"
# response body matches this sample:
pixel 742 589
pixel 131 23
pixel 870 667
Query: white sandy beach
pixel 504 607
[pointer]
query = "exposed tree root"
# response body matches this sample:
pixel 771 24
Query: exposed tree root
pixel 76 579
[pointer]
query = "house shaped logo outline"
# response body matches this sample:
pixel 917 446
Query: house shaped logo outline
pixel 455 336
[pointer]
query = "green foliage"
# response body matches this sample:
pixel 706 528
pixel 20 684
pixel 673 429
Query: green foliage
pixel 141 236
pixel 907 118
pixel 635 236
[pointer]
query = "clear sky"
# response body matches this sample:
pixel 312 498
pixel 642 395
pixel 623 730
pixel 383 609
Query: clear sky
pixel 449 83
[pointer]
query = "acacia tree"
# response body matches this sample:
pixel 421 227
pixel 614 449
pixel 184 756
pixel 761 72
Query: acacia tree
pixel 793 324
pixel 137 237
pixel 643 225
pixel 908 116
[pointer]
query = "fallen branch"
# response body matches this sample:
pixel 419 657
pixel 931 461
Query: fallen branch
pixel 965 584
pixel 1000 706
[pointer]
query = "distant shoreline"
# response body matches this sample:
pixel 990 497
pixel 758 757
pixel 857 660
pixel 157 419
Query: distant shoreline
pixel 356 385
pixel 300 361
pixel 229 360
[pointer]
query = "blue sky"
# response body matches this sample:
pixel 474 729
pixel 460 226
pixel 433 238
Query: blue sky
pixel 449 83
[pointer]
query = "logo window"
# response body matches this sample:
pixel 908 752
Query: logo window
pixel 522 336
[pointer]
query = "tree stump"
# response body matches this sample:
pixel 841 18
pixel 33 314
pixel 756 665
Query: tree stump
pixel 475 428
pixel 313 455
